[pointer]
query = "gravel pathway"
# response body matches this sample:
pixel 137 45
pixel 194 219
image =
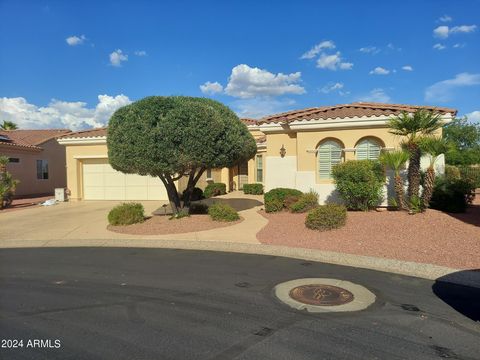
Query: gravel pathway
pixel 161 225
pixel 433 237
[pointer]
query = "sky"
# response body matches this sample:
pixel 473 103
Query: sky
pixel 71 64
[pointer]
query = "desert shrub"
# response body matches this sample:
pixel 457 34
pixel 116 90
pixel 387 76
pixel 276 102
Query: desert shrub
pixel 253 189
pixel 198 209
pixel 359 183
pixel 471 173
pixel 305 202
pixel 180 214
pixel 326 217
pixel 275 199
pixel 452 172
pixel 126 214
pixel 290 200
pixel 452 195
pixel 222 212
pixel 215 189
pixel 197 194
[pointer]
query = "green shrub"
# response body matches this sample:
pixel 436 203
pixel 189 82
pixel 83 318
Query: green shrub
pixel 197 194
pixel 275 199
pixel 471 173
pixel 360 183
pixel 290 200
pixel 306 202
pixel 253 189
pixel 198 209
pixel 222 212
pixel 452 195
pixel 126 214
pixel 452 172
pixel 179 215
pixel 215 189
pixel 326 217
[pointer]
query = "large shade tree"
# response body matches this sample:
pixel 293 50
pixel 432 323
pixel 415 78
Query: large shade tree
pixel 174 137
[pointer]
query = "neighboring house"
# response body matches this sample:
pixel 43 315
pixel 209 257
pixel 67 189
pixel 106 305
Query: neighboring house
pixel 35 159
pixel 296 149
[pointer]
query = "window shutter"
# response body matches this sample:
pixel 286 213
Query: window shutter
pixel 368 149
pixel 329 155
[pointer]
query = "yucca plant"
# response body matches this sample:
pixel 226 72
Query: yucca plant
pixel 396 160
pixel 434 147
pixel 413 127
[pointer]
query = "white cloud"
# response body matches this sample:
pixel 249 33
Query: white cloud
pixel 393 47
pixel 247 82
pixel 439 46
pixel 60 114
pixel 370 50
pixel 140 53
pixel 459 45
pixel 442 90
pixel 75 40
pixel 375 95
pixel 444 31
pixel 379 71
pixel 474 116
pixel 259 107
pixel 332 87
pixel 314 51
pixel 445 18
pixel 211 88
pixel 117 57
pixel 407 68
pixel 333 62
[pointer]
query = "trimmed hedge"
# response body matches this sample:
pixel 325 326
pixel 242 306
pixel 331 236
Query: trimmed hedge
pixel 306 202
pixel 215 189
pixel 360 183
pixel 126 214
pixel 275 199
pixel 326 217
pixel 222 212
pixel 253 189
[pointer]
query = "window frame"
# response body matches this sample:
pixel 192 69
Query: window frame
pixel 43 172
pixel 341 149
pixel 257 168
pixel 371 144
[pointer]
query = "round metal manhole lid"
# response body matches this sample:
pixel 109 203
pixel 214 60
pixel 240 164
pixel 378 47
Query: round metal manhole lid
pixel 321 295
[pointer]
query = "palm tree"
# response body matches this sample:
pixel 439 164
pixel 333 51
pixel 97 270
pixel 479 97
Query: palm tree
pixel 8 125
pixel 434 146
pixel 396 160
pixel 413 127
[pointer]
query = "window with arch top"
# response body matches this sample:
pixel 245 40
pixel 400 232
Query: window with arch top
pixel 329 154
pixel 368 149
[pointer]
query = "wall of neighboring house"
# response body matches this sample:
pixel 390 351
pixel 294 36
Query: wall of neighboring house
pixel 26 169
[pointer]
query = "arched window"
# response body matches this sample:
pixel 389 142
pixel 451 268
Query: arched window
pixel 368 149
pixel 329 154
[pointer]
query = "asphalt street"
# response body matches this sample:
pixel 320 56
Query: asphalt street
pixel 126 303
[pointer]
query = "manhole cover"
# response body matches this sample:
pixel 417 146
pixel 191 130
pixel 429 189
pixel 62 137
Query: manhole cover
pixel 321 295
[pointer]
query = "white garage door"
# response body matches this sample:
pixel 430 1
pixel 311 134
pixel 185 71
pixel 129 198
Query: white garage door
pixel 102 182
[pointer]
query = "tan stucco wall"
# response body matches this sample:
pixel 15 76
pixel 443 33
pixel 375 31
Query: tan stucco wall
pixel 26 169
pixel 276 141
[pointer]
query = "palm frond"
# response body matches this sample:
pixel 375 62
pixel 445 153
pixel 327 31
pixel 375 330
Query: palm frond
pixel 395 160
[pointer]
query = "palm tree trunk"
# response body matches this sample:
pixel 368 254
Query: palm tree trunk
pixel 428 187
pixel 400 193
pixel 414 170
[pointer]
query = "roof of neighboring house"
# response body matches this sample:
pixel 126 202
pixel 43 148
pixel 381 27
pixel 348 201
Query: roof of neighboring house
pixel 248 121
pixel 29 139
pixel 98 132
pixel 356 109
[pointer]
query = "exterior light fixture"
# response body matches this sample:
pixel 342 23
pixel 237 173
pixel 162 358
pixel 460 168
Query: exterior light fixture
pixel 283 151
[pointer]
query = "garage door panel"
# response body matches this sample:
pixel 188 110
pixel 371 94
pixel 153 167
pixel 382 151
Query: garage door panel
pixel 114 179
pixel 136 193
pixel 114 193
pixel 136 180
pixel 157 192
pixel 94 193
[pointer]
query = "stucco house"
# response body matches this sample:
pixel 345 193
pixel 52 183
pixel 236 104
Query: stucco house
pixel 36 159
pixel 296 149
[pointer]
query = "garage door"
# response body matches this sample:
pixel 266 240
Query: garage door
pixel 102 182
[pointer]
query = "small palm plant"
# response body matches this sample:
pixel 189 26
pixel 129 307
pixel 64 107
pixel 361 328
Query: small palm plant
pixel 8 125
pixel 396 160
pixel 434 147
pixel 414 127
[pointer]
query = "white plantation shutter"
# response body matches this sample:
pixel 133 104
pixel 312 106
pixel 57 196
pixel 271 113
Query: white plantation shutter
pixel 368 149
pixel 329 154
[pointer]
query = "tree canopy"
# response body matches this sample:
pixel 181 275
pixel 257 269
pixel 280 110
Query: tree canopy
pixel 465 139
pixel 175 136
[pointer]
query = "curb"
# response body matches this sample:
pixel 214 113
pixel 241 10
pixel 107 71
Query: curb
pixel 425 271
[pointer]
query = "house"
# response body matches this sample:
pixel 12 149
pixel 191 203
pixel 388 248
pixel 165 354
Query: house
pixel 296 149
pixel 35 159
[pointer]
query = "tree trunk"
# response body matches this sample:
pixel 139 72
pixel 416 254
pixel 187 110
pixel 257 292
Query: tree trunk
pixel 414 170
pixel 192 181
pixel 172 193
pixel 428 185
pixel 402 204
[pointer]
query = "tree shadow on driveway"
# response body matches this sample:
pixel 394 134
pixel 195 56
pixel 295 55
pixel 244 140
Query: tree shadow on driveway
pixel 463 298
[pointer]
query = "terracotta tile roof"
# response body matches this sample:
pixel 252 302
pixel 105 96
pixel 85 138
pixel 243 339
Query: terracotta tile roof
pixel 249 121
pixel 31 139
pixel 87 133
pixel 356 109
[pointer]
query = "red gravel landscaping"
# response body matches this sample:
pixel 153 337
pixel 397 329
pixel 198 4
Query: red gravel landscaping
pixel 162 225
pixel 433 237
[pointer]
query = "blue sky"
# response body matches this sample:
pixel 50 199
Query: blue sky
pixel 72 63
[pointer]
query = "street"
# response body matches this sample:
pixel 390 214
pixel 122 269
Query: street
pixel 129 303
